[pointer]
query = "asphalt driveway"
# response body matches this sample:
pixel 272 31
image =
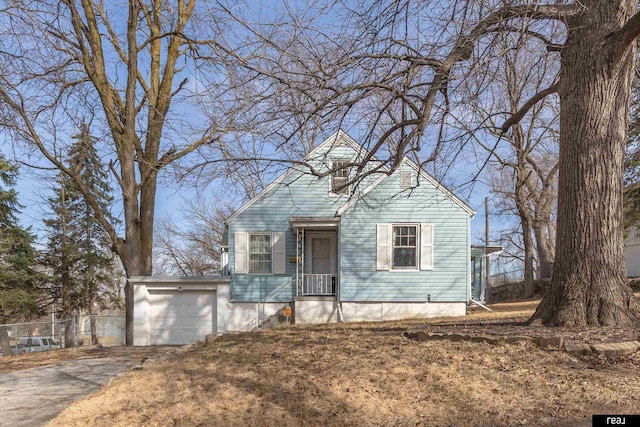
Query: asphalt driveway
pixel 34 396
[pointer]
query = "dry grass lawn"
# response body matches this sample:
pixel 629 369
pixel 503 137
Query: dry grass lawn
pixel 366 374
pixel 32 360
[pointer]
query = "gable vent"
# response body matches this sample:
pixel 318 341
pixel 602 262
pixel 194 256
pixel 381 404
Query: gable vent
pixel 405 179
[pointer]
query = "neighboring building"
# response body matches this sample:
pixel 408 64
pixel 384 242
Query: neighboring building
pixel 632 253
pixel 391 247
pixel 481 256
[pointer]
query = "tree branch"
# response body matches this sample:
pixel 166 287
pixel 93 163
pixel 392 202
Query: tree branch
pixel 621 39
pixel 515 118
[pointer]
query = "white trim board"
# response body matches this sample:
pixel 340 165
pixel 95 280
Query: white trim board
pixel 192 280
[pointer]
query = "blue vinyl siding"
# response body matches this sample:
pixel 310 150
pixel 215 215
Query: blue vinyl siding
pixel 254 287
pixel 447 282
pixel 301 194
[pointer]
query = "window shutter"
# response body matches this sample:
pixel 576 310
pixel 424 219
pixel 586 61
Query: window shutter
pixel 240 252
pixel 278 251
pixel 426 246
pixel 382 258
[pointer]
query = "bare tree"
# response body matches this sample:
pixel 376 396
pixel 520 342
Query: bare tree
pixel 195 248
pixel 134 67
pixel 528 190
pixel 544 200
pixel 409 57
pixel 527 165
pixel 403 59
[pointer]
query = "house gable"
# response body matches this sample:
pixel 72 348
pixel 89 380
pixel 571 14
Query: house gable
pixel 418 176
pixel 337 146
pixel 296 193
pixel 433 211
pixel 434 214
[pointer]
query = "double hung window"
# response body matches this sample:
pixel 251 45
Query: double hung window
pixel 340 177
pixel 405 248
pixel 260 253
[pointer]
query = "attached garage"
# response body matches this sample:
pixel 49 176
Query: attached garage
pixel 178 310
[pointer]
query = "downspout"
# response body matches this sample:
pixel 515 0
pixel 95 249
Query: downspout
pixel 478 303
pixel 469 278
pixel 298 261
pixel 338 284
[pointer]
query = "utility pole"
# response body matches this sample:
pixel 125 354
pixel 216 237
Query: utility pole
pixel 487 270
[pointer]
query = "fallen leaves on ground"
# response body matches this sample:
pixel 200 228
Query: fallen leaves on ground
pixel 366 374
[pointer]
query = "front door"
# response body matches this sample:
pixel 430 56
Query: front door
pixel 320 263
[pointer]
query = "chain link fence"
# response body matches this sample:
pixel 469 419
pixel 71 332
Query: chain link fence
pixel 106 330
pixel 18 338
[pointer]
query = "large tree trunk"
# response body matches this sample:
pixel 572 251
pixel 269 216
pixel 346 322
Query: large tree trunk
pixel 92 321
pixel 136 250
pixel 129 249
pixel 132 260
pixel 589 285
pixel 133 267
pixel 529 285
pixel 544 248
pixel 94 332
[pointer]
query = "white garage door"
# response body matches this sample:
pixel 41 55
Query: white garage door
pixel 179 317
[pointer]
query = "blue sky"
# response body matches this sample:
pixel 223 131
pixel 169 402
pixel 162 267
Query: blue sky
pixel 33 188
pixel 170 201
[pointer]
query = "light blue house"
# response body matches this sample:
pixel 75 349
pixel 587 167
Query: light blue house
pixel 390 247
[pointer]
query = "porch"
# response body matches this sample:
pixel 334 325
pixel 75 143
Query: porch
pixel 316 256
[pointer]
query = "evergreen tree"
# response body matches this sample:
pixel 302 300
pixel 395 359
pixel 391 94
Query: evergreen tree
pixel 61 255
pixel 18 277
pixel 96 266
pixel 79 249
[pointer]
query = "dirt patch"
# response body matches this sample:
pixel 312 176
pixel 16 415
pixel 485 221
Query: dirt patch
pixel 516 326
pixel 369 374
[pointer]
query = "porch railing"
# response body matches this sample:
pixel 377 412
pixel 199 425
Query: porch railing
pixel 318 284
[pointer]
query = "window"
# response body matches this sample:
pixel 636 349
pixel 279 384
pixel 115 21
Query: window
pixel 405 246
pixel 340 177
pixel 259 253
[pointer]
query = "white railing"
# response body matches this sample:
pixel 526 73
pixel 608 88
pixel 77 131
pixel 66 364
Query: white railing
pixel 317 284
